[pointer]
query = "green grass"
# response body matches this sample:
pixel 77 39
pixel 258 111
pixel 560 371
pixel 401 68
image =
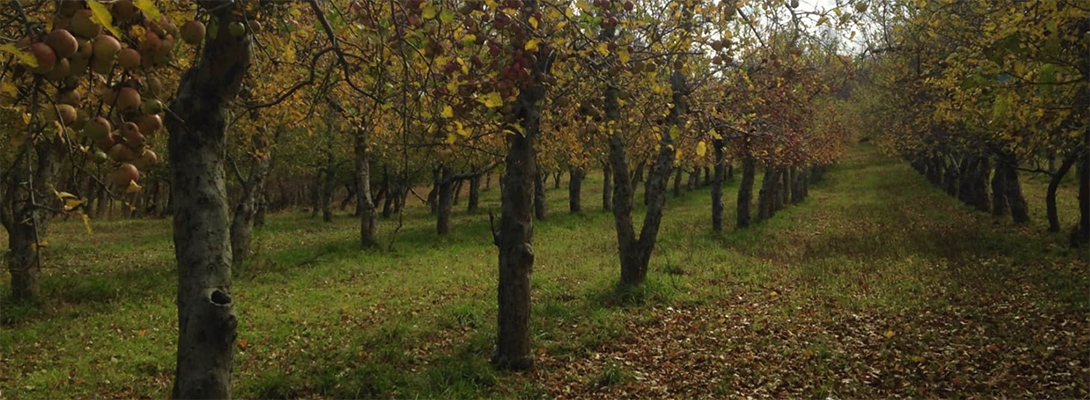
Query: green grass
pixel 874 244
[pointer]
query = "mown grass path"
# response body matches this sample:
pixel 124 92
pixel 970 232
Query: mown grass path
pixel 877 286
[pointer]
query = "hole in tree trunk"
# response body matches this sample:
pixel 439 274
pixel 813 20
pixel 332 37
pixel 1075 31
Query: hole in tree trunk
pixel 218 297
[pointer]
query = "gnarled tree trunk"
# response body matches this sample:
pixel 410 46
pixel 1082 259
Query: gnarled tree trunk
pixel 196 122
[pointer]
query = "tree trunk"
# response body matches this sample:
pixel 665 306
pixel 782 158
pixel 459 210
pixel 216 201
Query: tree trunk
pixel 488 180
pixel 980 184
pixel 446 201
pixel 458 191
pixel 717 187
pixel 765 197
pixel 951 179
pixel 783 196
pixel 575 190
pixel 433 195
pixel 474 194
pixel 677 181
pixel 1080 236
pixel 391 200
pixel 262 208
pixel 707 176
pixel 350 195
pixel 515 237
pixel 999 190
pixel 635 252
pixel 556 179
pixel 29 191
pixel 745 191
pixel 1050 197
pixel 242 224
pixel 206 316
pixel 365 206
pixel 607 187
pixel 1013 190
pixel 539 196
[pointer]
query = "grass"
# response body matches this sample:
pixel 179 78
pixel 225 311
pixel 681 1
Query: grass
pixel 874 249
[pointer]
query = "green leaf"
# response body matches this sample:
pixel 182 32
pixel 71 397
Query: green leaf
pixel 1047 74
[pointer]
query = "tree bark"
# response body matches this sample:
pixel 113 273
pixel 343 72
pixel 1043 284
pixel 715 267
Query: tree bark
pixel 1013 190
pixel 445 188
pixel 515 237
pixel 717 186
pixel 539 196
pixel 765 196
pixel 458 191
pixel 1080 236
pixel 999 190
pixel 365 206
pixel 607 187
pixel 556 179
pixel 242 223
pixel 707 176
pixel 635 252
pixel 28 191
pixel 196 122
pixel 433 195
pixel 677 181
pixel 951 179
pixel 745 192
pixel 575 190
pixel 1050 197
pixel 474 194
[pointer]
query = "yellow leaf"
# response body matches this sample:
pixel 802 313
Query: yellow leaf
pixel 71 204
pixel 9 89
pixel 429 12
pixel 133 188
pixel 448 111
pixel 461 129
pixel 532 45
pixel 101 15
pixel 533 22
pixel 451 138
pixel 24 56
pixel 149 9
pixel 603 49
pixel 491 100
pixel 701 149
pixel 889 334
